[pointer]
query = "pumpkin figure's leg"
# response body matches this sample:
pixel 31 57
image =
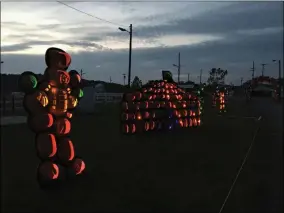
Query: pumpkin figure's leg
pixel 46 146
pixel 65 151
pixel 48 174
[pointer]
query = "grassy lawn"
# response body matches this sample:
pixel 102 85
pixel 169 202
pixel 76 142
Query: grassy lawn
pixel 189 170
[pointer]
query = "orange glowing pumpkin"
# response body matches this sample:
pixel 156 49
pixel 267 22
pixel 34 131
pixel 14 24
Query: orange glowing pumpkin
pixel 190 122
pixel 40 122
pixel 185 123
pixel 152 125
pixel 63 126
pixel 138 116
pixel 124 116
pixel 46 146
pixel 78 166
pixel 125 128
pixel 130 97
pixel 146 126
pixel 65 150
pixel 48 171
pixel 72 102
pixel 35 103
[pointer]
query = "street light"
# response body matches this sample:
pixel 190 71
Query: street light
pixel 130 51
pixel 279 68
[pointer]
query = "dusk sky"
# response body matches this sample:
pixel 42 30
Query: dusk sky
pixel 229 35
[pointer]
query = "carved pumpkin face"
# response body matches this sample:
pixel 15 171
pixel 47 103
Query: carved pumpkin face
pixel 72 102
pixel 64 77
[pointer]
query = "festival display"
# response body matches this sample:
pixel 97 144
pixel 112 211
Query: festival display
pixel 49 103
pixel 157 106
pixel 220 97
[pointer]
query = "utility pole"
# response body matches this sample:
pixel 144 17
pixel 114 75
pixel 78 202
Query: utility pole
pixel 242 81
pixel 200 77
pixel 124 77
pixel 110 79
pixel 130 51
pixel 82 73
pixel 178 67
pixel 188 77
pixel 252 69
pixel 130 55
pixel 262 71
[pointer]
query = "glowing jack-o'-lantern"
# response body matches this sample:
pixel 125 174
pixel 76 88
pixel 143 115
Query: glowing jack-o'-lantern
pixel 65 151
pixel 35 103
pixel 138 116
pixel 146 126
pixel 63 126
pixel 185 123
pixel 63 76
pixel 190 122
pixel 46 146
pixel 78 166
pixel 40 122
pixel 124 116
pixel 125 128
pixel 72 102
pixel 152 125
pixel 48 171
pixel 180 123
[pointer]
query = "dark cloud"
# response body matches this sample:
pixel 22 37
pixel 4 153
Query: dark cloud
pixel 245 28
pixel 235 54
pixel 231 18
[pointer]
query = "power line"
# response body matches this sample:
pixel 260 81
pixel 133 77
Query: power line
pixel 88 14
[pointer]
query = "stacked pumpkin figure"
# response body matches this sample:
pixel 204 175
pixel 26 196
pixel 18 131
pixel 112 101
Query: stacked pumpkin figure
pixel 159 105
pixel 49 104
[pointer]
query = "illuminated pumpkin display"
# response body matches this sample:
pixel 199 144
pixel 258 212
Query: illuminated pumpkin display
pixel 220 97
pixel 48 103
pixel 161 106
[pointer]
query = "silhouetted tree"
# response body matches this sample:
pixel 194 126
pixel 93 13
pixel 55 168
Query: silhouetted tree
pixel 136 83
pixel 217 76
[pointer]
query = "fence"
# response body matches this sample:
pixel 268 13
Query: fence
pixel 14 104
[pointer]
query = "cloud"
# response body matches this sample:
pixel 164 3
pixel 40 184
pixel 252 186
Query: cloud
pixel 226 35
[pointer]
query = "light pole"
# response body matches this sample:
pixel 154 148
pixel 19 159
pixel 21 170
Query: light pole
pixel 124 77
pixel 262 71
pixel 279 76
pixel 178 66
pixel 279 68
pixel 130 51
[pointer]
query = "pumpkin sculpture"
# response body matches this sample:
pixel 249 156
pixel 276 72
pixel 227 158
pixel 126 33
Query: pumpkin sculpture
pixel 49 104
pixel 220 97
pixel 159 105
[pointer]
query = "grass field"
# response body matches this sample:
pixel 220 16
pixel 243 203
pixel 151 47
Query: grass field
pixel 190 170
